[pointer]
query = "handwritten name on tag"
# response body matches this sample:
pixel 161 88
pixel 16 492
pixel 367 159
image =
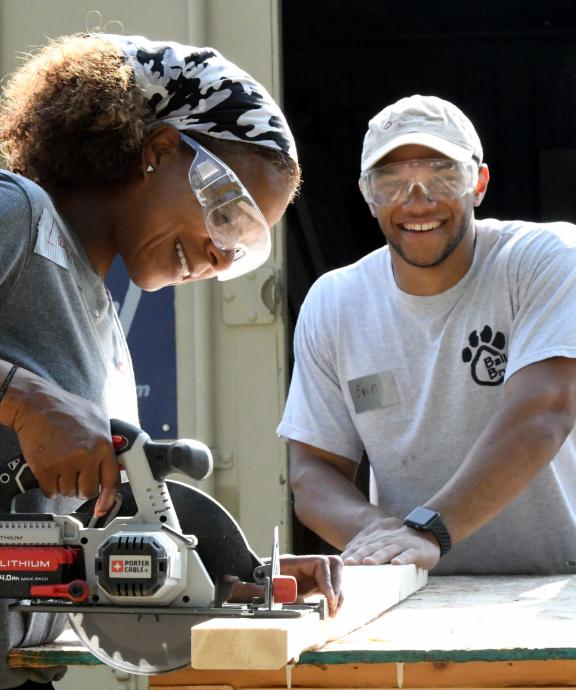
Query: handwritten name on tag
pixel 51 242
pixel 374 392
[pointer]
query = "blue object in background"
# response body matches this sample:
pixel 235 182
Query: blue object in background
pixel 148 322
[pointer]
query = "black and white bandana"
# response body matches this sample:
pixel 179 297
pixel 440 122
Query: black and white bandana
pixel 199 89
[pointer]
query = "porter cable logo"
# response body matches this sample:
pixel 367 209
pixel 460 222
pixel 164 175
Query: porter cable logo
pixel 117 566
pixel 130 567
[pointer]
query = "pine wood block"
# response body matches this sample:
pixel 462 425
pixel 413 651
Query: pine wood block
pixel 369 590
pixel 260 644
pixel 267 644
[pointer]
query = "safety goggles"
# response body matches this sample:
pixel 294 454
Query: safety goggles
pixel 438 179
pixel 233 220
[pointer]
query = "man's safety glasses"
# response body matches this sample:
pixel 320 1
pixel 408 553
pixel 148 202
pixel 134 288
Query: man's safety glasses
pixel 233 220
pixel 438 178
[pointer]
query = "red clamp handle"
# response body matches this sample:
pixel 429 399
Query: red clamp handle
pixel 76 591
pixel 284 589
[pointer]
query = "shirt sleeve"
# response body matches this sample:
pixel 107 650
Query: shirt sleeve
pixel 15 229
pixel 544 299
pixel 316 411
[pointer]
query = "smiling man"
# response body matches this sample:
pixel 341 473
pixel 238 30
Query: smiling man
pixel 448 357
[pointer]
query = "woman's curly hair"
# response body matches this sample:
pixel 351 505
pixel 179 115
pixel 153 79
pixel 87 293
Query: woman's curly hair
pixel 72 116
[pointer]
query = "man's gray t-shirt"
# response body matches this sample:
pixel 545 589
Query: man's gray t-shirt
pixel 414 380
pixel 57 320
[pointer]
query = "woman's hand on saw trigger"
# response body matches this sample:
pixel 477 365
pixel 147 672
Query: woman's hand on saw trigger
pixel 65 440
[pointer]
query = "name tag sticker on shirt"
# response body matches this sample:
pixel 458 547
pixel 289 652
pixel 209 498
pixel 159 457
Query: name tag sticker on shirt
pixel 51 242
pixel 374 392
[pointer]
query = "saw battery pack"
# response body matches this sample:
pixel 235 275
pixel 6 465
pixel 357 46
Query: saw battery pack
pixel 32 562
pixel 27 571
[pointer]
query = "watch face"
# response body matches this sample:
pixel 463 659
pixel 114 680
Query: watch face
pixel 422 516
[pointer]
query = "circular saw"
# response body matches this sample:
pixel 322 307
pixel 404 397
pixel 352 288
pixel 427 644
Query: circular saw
pixel 135 581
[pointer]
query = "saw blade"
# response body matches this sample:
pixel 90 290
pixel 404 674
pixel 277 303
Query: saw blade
pixel 144 643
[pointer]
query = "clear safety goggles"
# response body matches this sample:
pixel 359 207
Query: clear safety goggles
pixel 438 178
pixel 233 220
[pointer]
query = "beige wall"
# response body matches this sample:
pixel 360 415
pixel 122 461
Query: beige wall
pixel 26 23
pixel 231 378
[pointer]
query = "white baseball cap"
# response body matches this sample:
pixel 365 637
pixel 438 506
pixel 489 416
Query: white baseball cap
pixel 424 120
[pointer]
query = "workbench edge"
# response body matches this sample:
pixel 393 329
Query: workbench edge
pixel 378 656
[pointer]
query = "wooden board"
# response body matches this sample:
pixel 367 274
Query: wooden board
pixel 255 644
pixel 236 644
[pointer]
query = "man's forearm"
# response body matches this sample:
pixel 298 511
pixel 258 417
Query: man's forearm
pixel 329 503
pixel 515 446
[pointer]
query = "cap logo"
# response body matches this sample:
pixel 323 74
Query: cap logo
pixel 387 125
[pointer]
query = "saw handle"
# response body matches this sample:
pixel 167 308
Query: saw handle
pixel 185 456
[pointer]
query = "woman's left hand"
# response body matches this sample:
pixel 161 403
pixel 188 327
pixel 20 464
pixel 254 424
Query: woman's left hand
pixel 316 574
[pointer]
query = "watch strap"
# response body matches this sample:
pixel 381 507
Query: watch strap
pixel 433 525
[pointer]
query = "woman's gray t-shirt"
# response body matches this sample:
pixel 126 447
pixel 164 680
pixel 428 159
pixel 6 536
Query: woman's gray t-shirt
pixel 57 319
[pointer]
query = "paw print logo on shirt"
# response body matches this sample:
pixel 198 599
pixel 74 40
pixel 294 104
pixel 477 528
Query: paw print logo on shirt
pixel 487 357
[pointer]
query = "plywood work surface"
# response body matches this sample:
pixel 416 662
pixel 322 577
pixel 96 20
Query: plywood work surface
pixel 469 618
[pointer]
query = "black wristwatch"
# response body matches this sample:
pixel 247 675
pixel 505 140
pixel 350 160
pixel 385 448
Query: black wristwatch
pixel 426 520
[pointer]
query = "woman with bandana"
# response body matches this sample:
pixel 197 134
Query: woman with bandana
pixel 171 157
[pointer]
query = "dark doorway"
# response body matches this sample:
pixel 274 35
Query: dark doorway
pixel 509 64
